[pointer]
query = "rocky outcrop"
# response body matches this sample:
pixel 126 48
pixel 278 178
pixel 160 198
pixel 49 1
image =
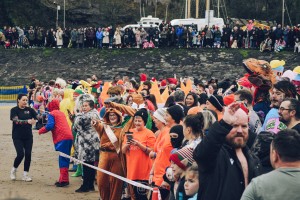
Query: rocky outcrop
pixel 19 65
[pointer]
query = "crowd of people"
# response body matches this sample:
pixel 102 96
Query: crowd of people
pixel 260 37
pixel 192 139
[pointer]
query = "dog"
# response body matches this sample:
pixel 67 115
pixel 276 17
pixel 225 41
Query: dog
pixel 297 45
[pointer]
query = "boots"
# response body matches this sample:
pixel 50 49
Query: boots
pixel 63 178
pixel 78 171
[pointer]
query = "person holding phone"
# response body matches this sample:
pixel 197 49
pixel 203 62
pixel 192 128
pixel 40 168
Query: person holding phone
pixel 137 151
pixel 22 117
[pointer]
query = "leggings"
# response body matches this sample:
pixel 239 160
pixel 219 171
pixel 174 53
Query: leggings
pixel 23 148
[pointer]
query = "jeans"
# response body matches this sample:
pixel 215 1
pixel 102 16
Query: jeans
pixel 99 42
pixel 111 39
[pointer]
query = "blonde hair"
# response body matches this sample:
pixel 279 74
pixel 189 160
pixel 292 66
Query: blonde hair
pixel 209 119
pixel 193 169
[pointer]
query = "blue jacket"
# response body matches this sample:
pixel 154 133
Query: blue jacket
pixel 99 35
pixel 179 31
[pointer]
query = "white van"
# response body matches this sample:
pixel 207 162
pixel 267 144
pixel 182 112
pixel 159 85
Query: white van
pixel 146 26
pixel 149 20
pixel 209 20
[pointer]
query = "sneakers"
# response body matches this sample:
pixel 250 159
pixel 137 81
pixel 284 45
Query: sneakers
pixel 26 178
pixel 13 174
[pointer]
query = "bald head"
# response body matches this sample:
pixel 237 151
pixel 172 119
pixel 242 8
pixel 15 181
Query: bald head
pixel 238 136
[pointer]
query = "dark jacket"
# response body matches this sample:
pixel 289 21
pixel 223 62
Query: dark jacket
pixel 220 172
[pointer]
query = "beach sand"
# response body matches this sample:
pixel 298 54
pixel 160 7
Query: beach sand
pixel 44 169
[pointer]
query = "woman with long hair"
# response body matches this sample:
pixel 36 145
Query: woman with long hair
pixel 23 117
pixel 191 100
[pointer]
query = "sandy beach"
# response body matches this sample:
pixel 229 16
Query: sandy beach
pixel 44 169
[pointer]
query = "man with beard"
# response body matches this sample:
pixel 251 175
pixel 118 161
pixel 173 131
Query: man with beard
pixel 226 165
pixel 280 91
pixel 289 113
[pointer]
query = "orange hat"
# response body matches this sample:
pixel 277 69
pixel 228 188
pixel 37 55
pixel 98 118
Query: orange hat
pixel 228 99
pixel 120 82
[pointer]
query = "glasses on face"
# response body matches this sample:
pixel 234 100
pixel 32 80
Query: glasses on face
pixel 281 109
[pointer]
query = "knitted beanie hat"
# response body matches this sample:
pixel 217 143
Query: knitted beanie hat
pixel 216 101
pixel 176 113
pixel 160 114
pixel 143 114
pixel 183 158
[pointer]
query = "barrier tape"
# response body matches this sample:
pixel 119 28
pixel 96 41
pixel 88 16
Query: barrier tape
pixel 107 172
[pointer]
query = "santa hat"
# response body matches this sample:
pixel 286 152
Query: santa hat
pixel 143 77
pixel 183 158
pixel 163 83
pixel 172 81
pixel 153 79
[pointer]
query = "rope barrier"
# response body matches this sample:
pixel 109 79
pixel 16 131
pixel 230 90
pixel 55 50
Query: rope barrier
pixel 107 172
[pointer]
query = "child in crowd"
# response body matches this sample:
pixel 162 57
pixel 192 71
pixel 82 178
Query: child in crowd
pixel 180 161
pixel 191 185
pixel 7 44
pixel 279 45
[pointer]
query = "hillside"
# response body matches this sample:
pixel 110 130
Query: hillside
pixel 17 66
pixel 112 12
